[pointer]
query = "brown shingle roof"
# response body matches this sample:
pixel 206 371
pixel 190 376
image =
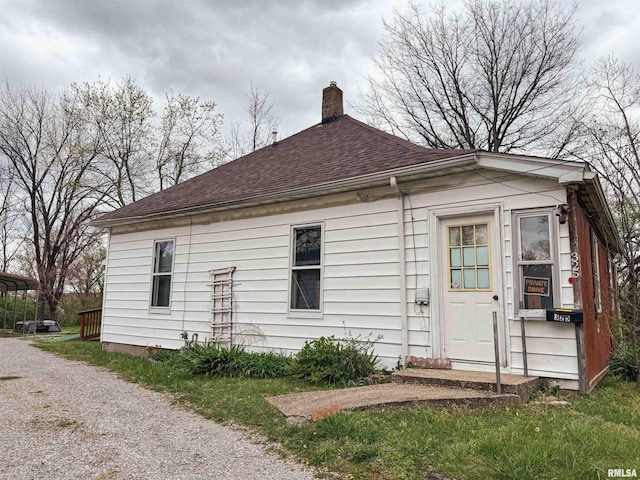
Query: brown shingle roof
pixel 341 149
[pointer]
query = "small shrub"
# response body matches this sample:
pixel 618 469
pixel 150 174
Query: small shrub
pixel 335 361
pixel 622 363
pixel 215 361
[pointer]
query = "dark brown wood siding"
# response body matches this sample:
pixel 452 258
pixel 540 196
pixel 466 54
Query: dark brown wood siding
pixel 597 319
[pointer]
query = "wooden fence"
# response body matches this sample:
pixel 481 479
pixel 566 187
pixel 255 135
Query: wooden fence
pixel 90 323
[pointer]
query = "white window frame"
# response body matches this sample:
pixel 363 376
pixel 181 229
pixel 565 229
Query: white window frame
pixel 554 261
pixel 612 271
pixel 597 284
pixel 305 313
pixel 161 308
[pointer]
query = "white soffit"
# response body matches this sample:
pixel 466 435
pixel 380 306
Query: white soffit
pixel 563 171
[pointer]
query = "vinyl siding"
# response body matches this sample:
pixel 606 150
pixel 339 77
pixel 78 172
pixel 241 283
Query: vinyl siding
pixel 360 274
pixel 361 293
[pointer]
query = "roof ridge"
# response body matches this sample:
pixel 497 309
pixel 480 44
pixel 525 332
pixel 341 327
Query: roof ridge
pixel 381 133
pixel 401 141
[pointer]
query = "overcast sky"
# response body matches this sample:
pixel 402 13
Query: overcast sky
pixel 215 49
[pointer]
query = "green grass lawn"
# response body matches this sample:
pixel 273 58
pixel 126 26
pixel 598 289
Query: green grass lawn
pixel 582 441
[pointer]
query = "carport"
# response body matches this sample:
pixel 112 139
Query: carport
pixel 16 284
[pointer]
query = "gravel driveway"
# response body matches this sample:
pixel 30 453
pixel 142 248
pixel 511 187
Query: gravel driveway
pixel 62 419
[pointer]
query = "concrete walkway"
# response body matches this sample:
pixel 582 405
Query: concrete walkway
pixel 516 384
pixel 66 420
pixel 304 405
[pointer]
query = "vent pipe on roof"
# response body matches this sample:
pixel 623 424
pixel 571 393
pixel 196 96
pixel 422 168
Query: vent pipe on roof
pixel 331 102
pixel 274 135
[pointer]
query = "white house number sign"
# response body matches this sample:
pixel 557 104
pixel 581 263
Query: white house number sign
pixel 575 265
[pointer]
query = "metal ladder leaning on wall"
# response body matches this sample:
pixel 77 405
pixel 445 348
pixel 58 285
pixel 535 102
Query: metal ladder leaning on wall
pixel 222 309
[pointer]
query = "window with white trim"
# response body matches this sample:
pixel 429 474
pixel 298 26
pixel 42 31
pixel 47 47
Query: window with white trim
pixel 535 260
pixel 595 259
pixel 306 268
pixel 612 272
pixel 162 273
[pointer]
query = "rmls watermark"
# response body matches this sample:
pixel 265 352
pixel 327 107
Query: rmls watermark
pixel 622 473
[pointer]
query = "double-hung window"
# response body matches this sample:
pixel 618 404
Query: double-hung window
pixel 162 273
pixel 306 268
pixel 536 260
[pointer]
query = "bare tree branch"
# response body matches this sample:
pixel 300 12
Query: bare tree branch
pixel 189 139
pixel 260 121
pixel 498 76
pixel 613 134
pixel 50 151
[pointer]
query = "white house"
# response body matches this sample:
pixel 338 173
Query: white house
pixel 342 228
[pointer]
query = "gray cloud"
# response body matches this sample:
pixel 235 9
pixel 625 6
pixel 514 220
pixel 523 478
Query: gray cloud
pixel 214 50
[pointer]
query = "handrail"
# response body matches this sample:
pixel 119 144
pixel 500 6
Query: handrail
pixel 90 324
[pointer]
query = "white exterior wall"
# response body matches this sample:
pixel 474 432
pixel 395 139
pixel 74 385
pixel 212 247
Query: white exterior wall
pixel 551 347
pixel 361 289
pixel 360 274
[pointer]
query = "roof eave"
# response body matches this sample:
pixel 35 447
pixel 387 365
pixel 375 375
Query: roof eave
pixel 337 186
pixel 597 196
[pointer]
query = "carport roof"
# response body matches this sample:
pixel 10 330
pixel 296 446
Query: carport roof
pixel 12 283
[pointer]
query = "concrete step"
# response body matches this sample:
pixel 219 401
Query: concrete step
pixel 511 384
pixel 301 406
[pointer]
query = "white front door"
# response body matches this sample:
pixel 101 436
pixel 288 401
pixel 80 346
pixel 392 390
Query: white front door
pixel 470 260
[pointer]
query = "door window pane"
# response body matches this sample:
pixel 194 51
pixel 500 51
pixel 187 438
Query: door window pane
pixel 483 278
pixel 469 278
pixel 456 279
pixel 482 255
pixel 482 234
pixel 455 257
pixel 467 235
pixel 469 256
pixel 454 236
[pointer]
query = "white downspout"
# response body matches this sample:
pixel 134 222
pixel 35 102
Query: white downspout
pixel 404 330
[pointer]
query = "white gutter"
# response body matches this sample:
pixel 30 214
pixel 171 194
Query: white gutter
pixel 404 328
pixel 362 181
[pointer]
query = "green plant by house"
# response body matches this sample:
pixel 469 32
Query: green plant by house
pixel 335 361
pixel 215 361
pixel 623 363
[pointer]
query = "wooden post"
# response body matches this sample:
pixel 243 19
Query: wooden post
pixel 572 200
pixel 524 347
pixel 496 347
pixel 6 304
pixel 583 384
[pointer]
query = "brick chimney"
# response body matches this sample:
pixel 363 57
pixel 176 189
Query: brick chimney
pixel 331 102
